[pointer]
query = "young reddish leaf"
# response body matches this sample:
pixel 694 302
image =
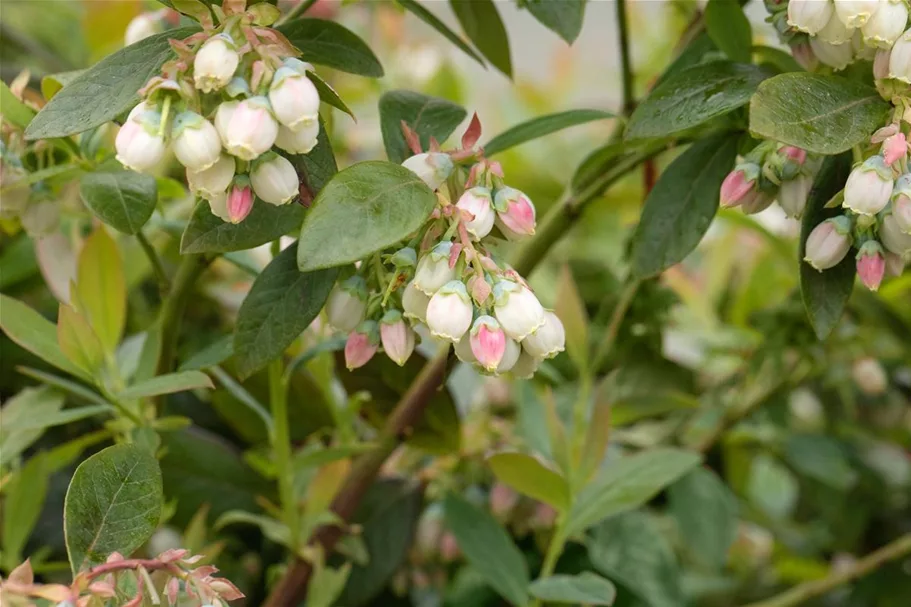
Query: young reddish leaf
pixel 411 138
pixel 472 133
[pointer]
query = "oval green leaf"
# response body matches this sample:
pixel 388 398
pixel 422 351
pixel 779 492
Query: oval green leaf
pixel 729 29
pixel 481 22
pixel 364 208
pixel 586 588
pixel 706 514
pixel 563 17
pixel 418 10
pixel 427 116
pixel 124 200
pixel 822 114
pixel 112 505
pixel 541 126
pixel 206 233
pixel 530 477
pixel 167 384
pixel 333 45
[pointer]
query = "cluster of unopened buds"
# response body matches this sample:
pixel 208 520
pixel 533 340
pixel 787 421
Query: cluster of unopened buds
pixel 174 571
pixel 446 277
pixel 234 95
pixel 839 32
pixel 770 172
pixel 877 217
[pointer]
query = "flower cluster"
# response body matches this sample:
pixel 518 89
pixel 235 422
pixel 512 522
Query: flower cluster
pixel 234 94
pixel 877 217
pixel 770 172
pixel 838 32
pixel 447 280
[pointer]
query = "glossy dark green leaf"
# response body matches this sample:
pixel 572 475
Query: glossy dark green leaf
pixel 427 116
pixel 541 126
pixel 586 588
pixel 561 16
pixel 706 514
pixel 316 167
pixel 529 476
pixel 364 208
pixel 418 10
pixel 681 206
pixel 627 483
pixel 700 49
pixel 282 302
pixel 206 233
pixel 822 114
pixel 481 22
pixel 825 294
pixel 333 45
pixel 693 96
pixel 729 29
pixel 112 505
pixel 124 200
pixel 104 91
pixel 389 517
pixel 488 548
pixel 327 94
pixel 631 551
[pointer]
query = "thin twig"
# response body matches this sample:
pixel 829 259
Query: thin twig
pixel 629 100
pixel 191 268
pixel 164 284
pixel 610 334
pixel 302 7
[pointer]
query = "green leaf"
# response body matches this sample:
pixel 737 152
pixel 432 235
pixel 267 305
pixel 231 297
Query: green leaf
pixel 586 588
pixel 825 294
pixel 333 45
pixel 75 388
pixel 318 166
pixel 389 517
pixel 34 333
pixel 482 24
pixel 706 515
pixel 364 208
pixel 571 312
pixel 206 233
pixel 822 458
pixel 281 304
pixel 102 289
pixel 680 208
pixel 772 487
pixel 627 483
pixel 167 384
pixel 112 505
pixel 693 96
pixel 782 61
pixel 541 126
pixel 106 90
pixel 214 354
pixel 488 548
pixel 275 530
pixel 124 200
pixel 24 497
pixel 729 29
pixel 66 416
pixel 563 17
pixel 822 114
pixel 427 116
pixel 52 83
pixel 321 455
pixel 593 166
pixel 529 476
pixel 629 549
pixel 14 111
pixel 327 94
pixel 78 341
pixel 418 10
pixel 17 412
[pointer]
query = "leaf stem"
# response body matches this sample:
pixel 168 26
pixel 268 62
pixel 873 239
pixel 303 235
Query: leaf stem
pixel 164 284
pixel 190 269
pixel 629 100
pixel 613 327
pixel 302 7
pixel 280 437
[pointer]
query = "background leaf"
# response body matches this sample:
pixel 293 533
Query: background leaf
pixel 112 505
pixel 206 233
pixel 822 114
pixel 482 24
pixel 563 17
pixel 427 116
pixel 729 29
pixel 706 515
pixel 418 10
pixel 281 304
pixel 333 45
pixel 541 126
pixel 680 207
pixel 364 208
pixel 106 90
pixel 78 340
pixel 571 312
pixel 693 96
pixel 586 588
pixel 16 432
pixel 167 384
pixel 488 548
pixel 530 477
pixel 825 294
pixel 124 200
pixel 35 333
pixel 102 289
pixel 14 111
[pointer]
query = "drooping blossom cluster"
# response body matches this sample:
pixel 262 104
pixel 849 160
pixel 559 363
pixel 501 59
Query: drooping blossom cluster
pixel 770 172
pixel 235 95
pixel 839 32
pixel 877 214
pixel 447 279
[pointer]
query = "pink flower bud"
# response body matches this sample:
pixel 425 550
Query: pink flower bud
pixel 515 213
pixel 478 203
pixel 870 376
pixel 793 153
pixel 195 141
pixel 895 148
pixel 488 342
pixel 247 128
pixel 869 187
pixel 502 500
pixel 215 63
pixel 545 516
pixel 397 337
pixel 739 182
pixel 449 547
pixel 883 133
pixel 803 54
pixel 347 304
pixel 518 310
pixel 362 344
pixel 239 203
pixel 294 98
pixel 449 312
pixel 549 340
pixel 871 265
pixel 828 243
pixel 274 179
pixel 479 288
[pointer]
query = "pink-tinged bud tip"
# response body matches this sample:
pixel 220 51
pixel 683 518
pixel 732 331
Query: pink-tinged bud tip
pixel 735 187
pixel 359 348
pixel 895 147
pixel 488 342
pixel 871 265
pixel 794 153
pixel 239 203
pixel 516 212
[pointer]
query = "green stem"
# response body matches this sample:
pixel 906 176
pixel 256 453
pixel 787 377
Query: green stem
pixel 610 334
pixel 281 446
pixel 302 7
pixel 801 593
pixel 157 268
pixel 190 269
pixel 554 550
pixel 629 99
